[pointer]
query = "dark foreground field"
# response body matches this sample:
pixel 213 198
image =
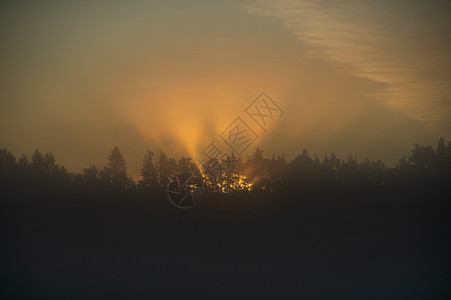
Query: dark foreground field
pixel 322 244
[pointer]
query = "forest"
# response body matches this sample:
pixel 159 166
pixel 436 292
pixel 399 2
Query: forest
pixel 319 228
pixel 231 175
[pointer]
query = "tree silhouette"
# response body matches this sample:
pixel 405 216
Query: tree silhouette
pixel 257 169
pixel 278 169
pixel 149 172
pixel 302 168
pixel 232 174
pixel 166 167
pixel 7 162
pixel 91 174
pixel 423 158
pixel 23 161
pixel 37 162
pixel 441 147
pixel 186 165
pixel 115 171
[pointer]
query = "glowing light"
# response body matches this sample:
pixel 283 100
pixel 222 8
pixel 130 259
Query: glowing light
pixel 231 183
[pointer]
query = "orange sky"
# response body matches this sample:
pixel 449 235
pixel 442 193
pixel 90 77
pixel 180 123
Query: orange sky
pixel 352 77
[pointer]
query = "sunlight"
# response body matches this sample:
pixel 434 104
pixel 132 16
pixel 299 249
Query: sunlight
pixel 229 183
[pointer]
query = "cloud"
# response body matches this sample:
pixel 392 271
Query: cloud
pixel 408 52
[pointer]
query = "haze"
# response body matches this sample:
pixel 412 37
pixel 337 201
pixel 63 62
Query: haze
pixel 361 77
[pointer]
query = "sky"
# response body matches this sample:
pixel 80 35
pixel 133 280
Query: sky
pixel 368 78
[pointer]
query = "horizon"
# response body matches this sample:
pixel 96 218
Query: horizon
pixel 137 175
pixel 355 77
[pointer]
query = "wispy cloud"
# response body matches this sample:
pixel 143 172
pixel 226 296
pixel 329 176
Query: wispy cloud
pixel 407 52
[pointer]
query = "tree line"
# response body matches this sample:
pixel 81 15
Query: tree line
pixel 231 175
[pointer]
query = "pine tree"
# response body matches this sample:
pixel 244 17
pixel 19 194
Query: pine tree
pixel 257 169
pixel 115 171
pixel 149 172
pixel 166 168
pixel 7 162
pixel 90 174
pixel 441 147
